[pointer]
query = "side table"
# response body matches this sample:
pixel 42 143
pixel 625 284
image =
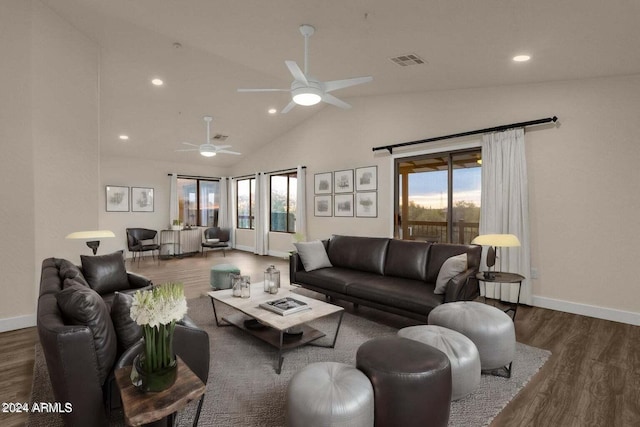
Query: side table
pixel 502 277
pixel 143 408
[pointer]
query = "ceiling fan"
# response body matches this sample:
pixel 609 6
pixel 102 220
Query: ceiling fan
pixel 306 90
pixel 208 149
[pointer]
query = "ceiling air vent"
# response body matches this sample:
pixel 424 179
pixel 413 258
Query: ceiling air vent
pixel 408 59
pixel 220 137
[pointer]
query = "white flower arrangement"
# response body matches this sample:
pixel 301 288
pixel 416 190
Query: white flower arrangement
pixel 159 306
pixel 157 311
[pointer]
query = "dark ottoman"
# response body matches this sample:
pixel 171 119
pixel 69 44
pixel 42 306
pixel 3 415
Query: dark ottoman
pixel 411 382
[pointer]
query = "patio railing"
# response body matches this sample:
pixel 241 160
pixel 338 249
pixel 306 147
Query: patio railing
pixel 436 231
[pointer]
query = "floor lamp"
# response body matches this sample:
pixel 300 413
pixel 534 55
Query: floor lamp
pixel 93 235
pixel 495 241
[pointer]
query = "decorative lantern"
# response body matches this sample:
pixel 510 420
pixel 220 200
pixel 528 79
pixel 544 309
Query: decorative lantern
pixel 272 280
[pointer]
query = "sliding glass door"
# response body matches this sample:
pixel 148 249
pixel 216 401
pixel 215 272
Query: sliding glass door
pixel 438 197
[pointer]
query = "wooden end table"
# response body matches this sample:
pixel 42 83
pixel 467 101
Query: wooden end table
pixel 502 277
pixel 143 408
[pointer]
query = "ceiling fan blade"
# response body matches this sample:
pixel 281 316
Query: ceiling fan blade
pixel 188 149
pixel 264 90
pixel 296 72
pixel 228 152
pixel 188 143
pixel 221 147
pixel 288 108
pixel 340 84
pixel 330 99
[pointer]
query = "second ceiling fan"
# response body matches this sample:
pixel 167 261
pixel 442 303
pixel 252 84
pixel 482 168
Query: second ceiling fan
pixel 306 90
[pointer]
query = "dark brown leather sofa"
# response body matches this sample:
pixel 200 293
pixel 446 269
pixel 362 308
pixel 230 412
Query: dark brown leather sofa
pixel 72 350
pixel 396 276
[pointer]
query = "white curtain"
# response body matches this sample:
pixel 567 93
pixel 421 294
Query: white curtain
pixel 262 214
pixel 505 209
pixel 223 210
pixel 301 202
pixel 174 212
pixel 232 209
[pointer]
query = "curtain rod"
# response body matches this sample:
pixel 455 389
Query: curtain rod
pixel 473 132
pixel 268 173
pixel 194 176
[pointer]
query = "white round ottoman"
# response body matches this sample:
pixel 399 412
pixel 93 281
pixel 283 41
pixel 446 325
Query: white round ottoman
pixel 461 351
pixel 490 329
pixel 329 394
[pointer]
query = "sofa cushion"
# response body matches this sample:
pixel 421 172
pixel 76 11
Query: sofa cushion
pixel 407 259
pixel 411 295
pixel 450 268
pixel 313 255
pixel 440 252
pixel 105 273
pixel 358 253
pixel 68 270
pixel 128 332
pixel 333 279
pixel 81 305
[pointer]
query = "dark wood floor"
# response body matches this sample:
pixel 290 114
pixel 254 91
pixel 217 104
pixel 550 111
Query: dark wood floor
pixel 591 379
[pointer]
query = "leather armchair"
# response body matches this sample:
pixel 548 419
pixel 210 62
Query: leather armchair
pixel 71 354
pixel 141 240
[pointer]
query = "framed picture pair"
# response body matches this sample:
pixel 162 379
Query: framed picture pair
pixel 118 198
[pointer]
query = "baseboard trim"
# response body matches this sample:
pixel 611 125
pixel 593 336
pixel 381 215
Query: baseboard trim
pixel 244 248
pixel 279 254
pixel 588 310
pixel 20 322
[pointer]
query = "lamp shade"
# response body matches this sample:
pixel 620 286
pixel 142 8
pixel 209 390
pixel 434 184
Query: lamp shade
pixel 497 240
pixel 95 234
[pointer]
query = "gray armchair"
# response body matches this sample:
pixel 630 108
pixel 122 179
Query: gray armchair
pixel 141 240
pixel 216 238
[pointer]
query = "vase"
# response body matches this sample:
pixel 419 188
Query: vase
pixel 153 381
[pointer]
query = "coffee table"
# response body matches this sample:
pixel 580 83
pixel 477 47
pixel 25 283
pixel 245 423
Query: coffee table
pixel 272 328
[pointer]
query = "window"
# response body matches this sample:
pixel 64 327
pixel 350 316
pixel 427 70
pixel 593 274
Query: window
pixel 284 189
pixel 245 203
pixel 438 197
pixel 199 201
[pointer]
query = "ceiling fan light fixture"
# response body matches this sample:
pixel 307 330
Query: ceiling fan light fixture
pixel 307 96
pixel 207 150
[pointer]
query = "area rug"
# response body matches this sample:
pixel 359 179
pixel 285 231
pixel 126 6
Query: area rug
pixel 244 390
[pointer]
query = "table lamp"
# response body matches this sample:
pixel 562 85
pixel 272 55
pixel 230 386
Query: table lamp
pixel 93 235
pixel 495 241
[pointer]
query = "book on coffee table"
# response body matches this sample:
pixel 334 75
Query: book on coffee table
pixel 285 306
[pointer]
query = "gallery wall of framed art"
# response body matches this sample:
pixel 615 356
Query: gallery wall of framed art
pixel 347 193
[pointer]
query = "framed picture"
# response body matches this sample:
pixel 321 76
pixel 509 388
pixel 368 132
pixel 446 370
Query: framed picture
pixel 117 198
pixel 322 183
pixel 141 199
pixel 322 206
pixel 367 178
pixel 343 204
pixel 367 204
pixel 343 181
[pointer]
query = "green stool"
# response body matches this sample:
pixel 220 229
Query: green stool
pixel 221 276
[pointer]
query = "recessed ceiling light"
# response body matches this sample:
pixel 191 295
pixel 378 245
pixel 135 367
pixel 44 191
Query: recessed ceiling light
pixel 272 111
pixel 521 58
pixel 157 82
pixel 124 137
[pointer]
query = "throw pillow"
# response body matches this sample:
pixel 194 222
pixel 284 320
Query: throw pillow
pixel 313 255
pixel 81 305
pixel 105 273
pixel 450 268
pixel 128 332
pixel 69 270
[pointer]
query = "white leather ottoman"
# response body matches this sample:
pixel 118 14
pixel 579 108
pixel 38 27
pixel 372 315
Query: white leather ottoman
pixel 330 394
pixel 490 329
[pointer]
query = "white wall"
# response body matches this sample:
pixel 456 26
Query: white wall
pixel 583 175
pixel 49 137
pixel 130 172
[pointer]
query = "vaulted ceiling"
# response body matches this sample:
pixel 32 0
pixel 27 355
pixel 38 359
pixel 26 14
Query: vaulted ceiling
pixel 204 50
